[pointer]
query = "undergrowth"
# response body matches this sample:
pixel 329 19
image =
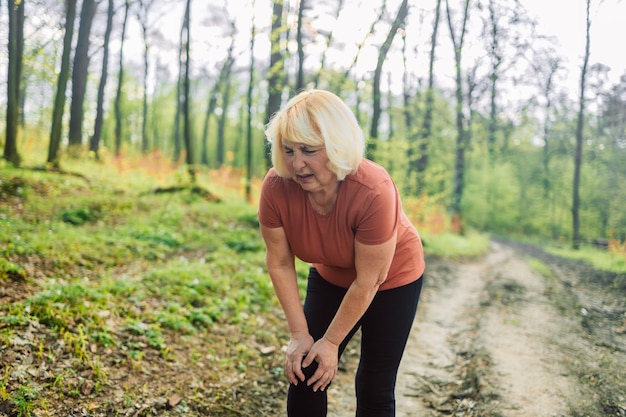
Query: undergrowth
pixel 97 275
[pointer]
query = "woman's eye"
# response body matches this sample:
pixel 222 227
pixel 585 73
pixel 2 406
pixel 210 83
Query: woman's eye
pixel 309 151
pixel 288 151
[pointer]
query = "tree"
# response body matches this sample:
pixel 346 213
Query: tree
pixel 16 48
pixel 142 16
pixel 579 137
pixel 249 111
pixel 80 72
pixel 120 84
pixel 421 163
pixel 64 75
pixel 276 72
pixel 300 77
pixel 224 74
pixel 459 166
pixel 403 11
pixel 94 143
pixel 189 157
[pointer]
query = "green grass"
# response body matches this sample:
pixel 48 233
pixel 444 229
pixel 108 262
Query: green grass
pixel 600 259
pixel 451 245
pixel 87 252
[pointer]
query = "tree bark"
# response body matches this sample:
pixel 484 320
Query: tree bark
pixel 382 55
pixel 248 189
pixel 459 166
pixel 189 156
pixel 120 85
pixel 221 80
pixel 79 73
pixel 94 143
pixel 300 77
pixel 64 75
pixel 422 160
pixel 579 138
pixel 16 47
pixel 142 16
pixel 276 74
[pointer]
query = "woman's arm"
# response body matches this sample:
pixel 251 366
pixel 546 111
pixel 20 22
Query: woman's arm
pixel 281 267
pixel 372 265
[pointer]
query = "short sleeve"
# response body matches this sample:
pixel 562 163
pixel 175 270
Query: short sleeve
pixel 268 212
pixel 380 215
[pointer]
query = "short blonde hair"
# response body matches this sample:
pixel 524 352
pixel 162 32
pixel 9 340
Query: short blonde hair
pixel 317 117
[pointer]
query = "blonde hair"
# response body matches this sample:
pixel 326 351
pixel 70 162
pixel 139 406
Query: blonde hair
pixel 314 118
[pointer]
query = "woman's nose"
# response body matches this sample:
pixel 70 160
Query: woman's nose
pixel 298 161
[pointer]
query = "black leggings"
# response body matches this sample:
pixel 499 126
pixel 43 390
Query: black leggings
pixel 385 328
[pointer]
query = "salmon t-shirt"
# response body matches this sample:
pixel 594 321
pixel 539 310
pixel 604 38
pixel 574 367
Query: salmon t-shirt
pixel 368 209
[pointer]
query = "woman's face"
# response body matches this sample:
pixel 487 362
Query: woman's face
pixel 308 166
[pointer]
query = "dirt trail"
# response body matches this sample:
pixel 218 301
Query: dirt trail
pixel 492 338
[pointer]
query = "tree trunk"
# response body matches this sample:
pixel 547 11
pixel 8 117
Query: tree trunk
pixel 300 78
pixel 16 47
pixel 221 128
pixel 276 74
pixel 94 143
pixel 79 73
pixel 64 75
pixel 496 61
pixel 579 139
pixel 142 16
pixel 120 84
pixel 422 159
pixel 382 55
pixel 459 166
pixel 248 189
pixel 189 157
pixel 221 80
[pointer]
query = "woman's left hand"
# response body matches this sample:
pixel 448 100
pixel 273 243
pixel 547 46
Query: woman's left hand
pixel 325 353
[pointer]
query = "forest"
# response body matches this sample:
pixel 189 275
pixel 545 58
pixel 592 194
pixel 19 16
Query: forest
pixel 465 102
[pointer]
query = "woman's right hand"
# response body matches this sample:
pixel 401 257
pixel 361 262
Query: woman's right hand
pixel 297 349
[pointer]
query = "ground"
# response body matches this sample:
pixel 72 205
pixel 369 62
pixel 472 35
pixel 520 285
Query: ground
pixel 515 332
pixel 495 337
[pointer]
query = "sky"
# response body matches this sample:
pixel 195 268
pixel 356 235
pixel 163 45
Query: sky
pixel 565 19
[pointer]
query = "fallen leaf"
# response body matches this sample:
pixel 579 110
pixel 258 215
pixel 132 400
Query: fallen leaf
pixel 174 400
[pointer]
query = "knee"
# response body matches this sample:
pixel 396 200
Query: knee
pixel 375 396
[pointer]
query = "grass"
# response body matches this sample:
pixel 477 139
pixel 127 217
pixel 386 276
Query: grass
pixel 104 280
pixel 600 259
pixel 108 266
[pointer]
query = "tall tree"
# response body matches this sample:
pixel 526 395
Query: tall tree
pixel 249 111
pixel 189 157
pixel 458 40
pixel 276 73
pixel 403 11
pixel 64 75
pixel 224 74
pixel 120 84
pixel 579 136
pixel 422 160
pixel 16 48
pixel 143 13
pixel 94 143
pixel 80 71
pixel 300 43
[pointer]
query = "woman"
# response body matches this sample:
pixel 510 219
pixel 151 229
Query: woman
pixel 324 203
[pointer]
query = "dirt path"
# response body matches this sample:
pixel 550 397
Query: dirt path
pixel 493 337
